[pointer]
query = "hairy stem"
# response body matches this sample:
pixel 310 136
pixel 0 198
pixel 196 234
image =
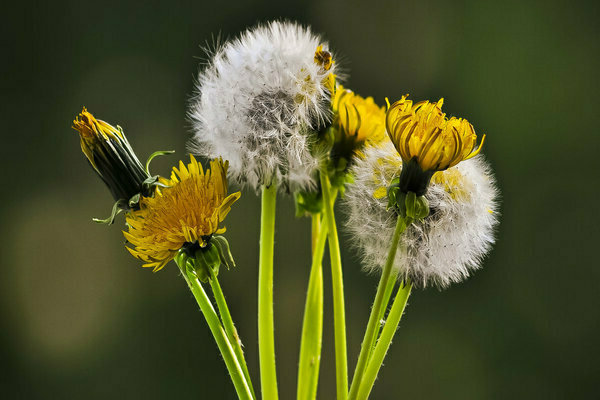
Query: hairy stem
pixel 233 366
pixel 229 326
pixel 384 342
pixel 374 317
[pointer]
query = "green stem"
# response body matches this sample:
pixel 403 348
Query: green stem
pixel 233 366
pixel 266 328
pixel 312 326
pixel 386 274
pixel 386 300
pixel 391 325
pixel 339 317
pixel 315 229
pixel 229 326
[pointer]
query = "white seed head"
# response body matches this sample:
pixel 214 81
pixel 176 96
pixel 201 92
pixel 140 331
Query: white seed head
pixel 447 245
pixel 259 101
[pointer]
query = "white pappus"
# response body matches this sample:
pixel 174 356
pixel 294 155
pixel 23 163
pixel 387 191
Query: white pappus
pixel 258 104
pixel 447 245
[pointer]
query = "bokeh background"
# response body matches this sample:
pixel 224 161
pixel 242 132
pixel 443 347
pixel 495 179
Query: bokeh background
pixel 80 318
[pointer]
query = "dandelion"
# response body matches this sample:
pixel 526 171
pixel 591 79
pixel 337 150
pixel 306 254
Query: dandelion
pixel 358 121
pixel 186 214
pixel 442 248
pixel 434 239
pixel 113 159
pixel 427 141
pixel 259 101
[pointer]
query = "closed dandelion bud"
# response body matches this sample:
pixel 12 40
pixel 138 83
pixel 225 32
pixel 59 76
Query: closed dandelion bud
pixel 259 103
pixel 112 157
pixel 446 242
pixel 187 215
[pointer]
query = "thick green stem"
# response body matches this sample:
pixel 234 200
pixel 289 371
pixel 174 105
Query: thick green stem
pixel 266 328
pixel 312 326
pixel 386 275
pixel 384 342
pixel 229 326
pixel 339 313
pixel 233 366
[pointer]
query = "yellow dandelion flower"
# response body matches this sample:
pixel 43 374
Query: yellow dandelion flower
pixel 427 141
pixel 357 119
pixel 111 155
pixel 189 211
pixel 423 132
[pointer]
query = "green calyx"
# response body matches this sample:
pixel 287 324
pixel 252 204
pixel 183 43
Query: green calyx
pixel 407 205
pixel 413 178
pixel 308 203
pixel 146 189
pixel 311 202
pixel 200 261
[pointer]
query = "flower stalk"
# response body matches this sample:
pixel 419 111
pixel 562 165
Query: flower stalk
pixel 337 281
pixel 374 317
pixel 212 319
pixel 384 342
pixel 266 327
pixel 312 325
pixel 230 330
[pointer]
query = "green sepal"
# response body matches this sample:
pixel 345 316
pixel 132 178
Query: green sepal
pixel 395 195
pixel 199 263
pixel 156 154
pixel 222 246
pixel 134 201
pixel 407 205
pixel 308 203
pixel 117 208
pixel 150 183
pixel 339 178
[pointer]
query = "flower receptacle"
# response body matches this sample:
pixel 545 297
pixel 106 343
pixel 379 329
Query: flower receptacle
pixel 407 205
pixel 200 261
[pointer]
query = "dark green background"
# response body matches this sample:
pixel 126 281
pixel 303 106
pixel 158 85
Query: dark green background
pixel 80 317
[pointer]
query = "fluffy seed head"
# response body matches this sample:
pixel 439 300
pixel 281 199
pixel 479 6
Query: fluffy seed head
pixel 259 101
pixel 448 244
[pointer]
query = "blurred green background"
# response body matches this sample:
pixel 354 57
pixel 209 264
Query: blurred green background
pixel 81 319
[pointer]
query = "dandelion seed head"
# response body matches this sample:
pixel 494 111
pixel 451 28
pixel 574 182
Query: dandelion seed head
pixel 259 101
pixel 447 245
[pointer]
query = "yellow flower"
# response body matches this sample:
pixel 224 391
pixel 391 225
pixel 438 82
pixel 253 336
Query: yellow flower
pixel 111 155
pixel 188 211
pixel 422 132
pixel 358 119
